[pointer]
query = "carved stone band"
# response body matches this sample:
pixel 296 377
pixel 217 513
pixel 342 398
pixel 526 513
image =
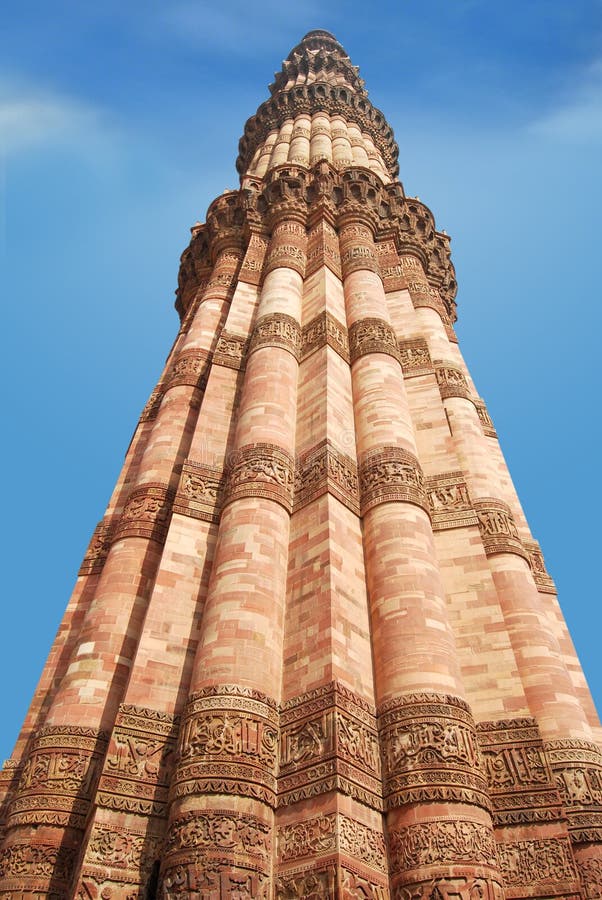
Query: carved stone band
pixel 415 357
pixel 229 745
pixel 546 863
pixel 59 777
pixel 441 843
pixel 277 330
pixel 324 469
pixel 390 267
pixel 147 513
pixel 28 869
pixel 191 368
pixel 230 350
pixel 324 331
pixel 577 769
pixel 449 501
pixel 329 743
pixel 485 419
pixel 430 751
pixel 204 834
pixel 391 474
pixel 98 549
pixel 200 492
pixel 323 249
pixel 252 267
pixel 372 335
pixel 423 294
pixel 261 470
pixel 152 405
pixel 497 527
pixel 288 244
pixel 521 785
pixel 357 244
pixel 139 762
pixel 538 568
pixel 452 381
pixel 325 834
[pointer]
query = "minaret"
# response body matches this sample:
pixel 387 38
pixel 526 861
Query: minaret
pixel 313 649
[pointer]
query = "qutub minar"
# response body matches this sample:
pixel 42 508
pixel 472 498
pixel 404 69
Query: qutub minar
pixel 313 649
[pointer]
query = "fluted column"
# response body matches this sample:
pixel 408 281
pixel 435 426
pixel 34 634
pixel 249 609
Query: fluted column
pixel 225 786
pixel 434 789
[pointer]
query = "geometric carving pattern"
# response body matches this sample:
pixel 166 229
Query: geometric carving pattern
pixel 391 271
pixel 577 768
pixel 357 245
pixel 391 474
pixel 139 763
pixel 449 501
pixel 147 513
pixel 441 842
pixel 324 330
pixel 546 864
pixel 261 470
pixel 323 469
pixel 329 742
pixel 200 491
pixel 521 785
pixel 288 245
pixel 430 751
pixel 496 525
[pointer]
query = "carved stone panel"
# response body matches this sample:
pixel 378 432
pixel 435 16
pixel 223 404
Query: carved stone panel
pixel 277 330
pixel 147 513
pixel 140 761
pixel 485 418
pixel 230 350
pixel 323 249
pixel 200 492
pixel 430 751
pixel 520 780
pixel 372 336
pixel 325 330
pixel 441 842
pixel 497 527
pixel 191 367
pixel 450 502
pixel 452 381
pixel 251 269
pixel 149 413
pixel 98 549
pixel 36 869
pixel 545 865
pixel 542 579
pixel 261 470
pixel 391 270
pixel 415 357
pixel 324 469
pixel 577 770
pixel 391 474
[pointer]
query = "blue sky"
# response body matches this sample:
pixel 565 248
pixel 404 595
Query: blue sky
pixel 119 123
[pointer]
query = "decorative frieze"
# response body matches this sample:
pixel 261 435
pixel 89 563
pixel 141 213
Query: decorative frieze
pixel 147 513
pixel 59 777
pixel 310 838
pixel 521 785
pixel 461 885
pixel 422 294
pixel 202 880
pixel 191 368
pixel 357 244
pixel 288 244
pixel 485 418
pixel 28 869
pixel 590 875
pixel 309 883
pixel 323 249
pixel 324 469
pixel 415 357
pixel 323 331
pixel 545 865
pixel 430 751
pixel 217 832
pixel 120 855
pixel 251 268
pixel 140 761
pixel 329 742
pixel 200 491
pixel 449 501
pixel 497 527
pixel 229 745
pixel 277 330
pixel 542 579
pixel 441 842
pixel 577 770
pixel 230 350
pixel 391 474
pixel 452 381
pixel 261 470
pixel 98 549
pixel 372 336
pixel 149 413
pixel 391 271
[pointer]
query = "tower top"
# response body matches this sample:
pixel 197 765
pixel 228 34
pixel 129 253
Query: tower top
pixel 318 76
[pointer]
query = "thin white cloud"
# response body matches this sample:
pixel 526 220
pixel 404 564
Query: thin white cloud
pixel 32 117
pixel 577 120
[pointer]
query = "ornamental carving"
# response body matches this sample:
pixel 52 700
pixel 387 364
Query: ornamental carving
pixel 372 336
pixel 213 880
pixel 452 382
pixel 200 492
pixel 323 245
pixel 358 251
pixel 139 762
pixel 441 842
pixel 191 367
pixel 355 885
pixel 590 875
pixel 422 294
pixel 324 331
pixel 577 769
pixel 152 406
pixel 362 843
pixel 548 861
pixel 98 549
pixel 310 884
pixel 309 838
pixel 251 269
pixel 121 849
pixel 415 357
pixel 497 527
pixel 485 419
pixel 391 474
pixel 391 271
pixel 538 568
pixel 147 513
pixel 466 887
pixel 449 501
pixel 324 469
pixel 277 330
pixel 220 831
pixel 27 862
pixel 261 470
pixel 230 350
pixel 430 751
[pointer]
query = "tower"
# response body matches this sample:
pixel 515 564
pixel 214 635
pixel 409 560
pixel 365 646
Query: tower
pixel 313 650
